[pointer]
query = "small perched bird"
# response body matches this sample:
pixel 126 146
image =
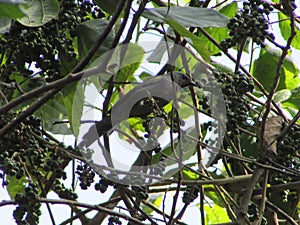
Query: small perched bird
pixel 133 104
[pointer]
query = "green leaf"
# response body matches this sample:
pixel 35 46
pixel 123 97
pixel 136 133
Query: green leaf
pixel 145 75
pixel 186 110
pixel 215 214
pixel 155 200
pixel 222 67
pixel 73 96
pixel 26 84
pixel 282 95
pixel 230 10
pixel 67 63
pixel 187 16
pixel 88 32
pixel 249 147
pixel 39 12
pixel 294 100
pixel 136 123
pixel 55 111
pixel 285 29
pixel 190 175
pixel 264 70
pixel 15 186
pixel 108 6
pixel 191 61
pixel 11 11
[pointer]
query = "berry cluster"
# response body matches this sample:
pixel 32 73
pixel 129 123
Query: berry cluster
pixel 103 184
pixel 288 153
pixel 25 153
pixel 249 22
pixel 234 88
pixel 27 211
pixel 48 44
pixel 190 194
pixel 64 192
pixel 21 148
pixel 86 176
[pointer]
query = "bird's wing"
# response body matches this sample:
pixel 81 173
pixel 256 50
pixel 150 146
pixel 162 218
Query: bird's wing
pixel 160 87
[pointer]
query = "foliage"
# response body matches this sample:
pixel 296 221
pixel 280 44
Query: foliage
pixel 61 60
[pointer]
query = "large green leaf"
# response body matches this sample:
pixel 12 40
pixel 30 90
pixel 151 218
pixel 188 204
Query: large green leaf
pixel 39 12
pixel 11 11
pixel 264 70
pixel 180 17
pixel 187 16
pixel 88 32
pixel 285 29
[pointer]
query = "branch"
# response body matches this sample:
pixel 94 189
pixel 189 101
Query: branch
pixel 248 194
pixel 276 80
pixel 41 90
pixel 93 207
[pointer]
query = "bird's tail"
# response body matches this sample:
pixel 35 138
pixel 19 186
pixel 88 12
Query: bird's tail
pixel 95 132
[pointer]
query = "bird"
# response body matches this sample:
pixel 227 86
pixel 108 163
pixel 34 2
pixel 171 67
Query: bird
pixel 161 88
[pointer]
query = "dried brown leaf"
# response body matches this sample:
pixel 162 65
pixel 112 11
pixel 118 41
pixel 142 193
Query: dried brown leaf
pixel 272 130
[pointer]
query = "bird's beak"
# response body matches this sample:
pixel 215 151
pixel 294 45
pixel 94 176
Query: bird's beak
pixel 195 84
